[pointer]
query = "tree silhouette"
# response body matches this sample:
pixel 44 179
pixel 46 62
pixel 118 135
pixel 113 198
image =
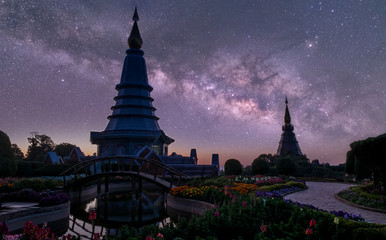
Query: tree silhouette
pixel 233 167
pixel 8 161
pixel 39 146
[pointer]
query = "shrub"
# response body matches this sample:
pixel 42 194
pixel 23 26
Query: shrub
pixel 233 167
pixel 51 198
pixel 260 166
pixel 50 170
pixel 26 168
pixel 286 166
pixel 366 195
pixel 8 161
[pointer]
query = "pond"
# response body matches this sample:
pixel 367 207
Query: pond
pixel 116 208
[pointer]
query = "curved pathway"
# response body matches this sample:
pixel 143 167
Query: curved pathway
pixel 321 195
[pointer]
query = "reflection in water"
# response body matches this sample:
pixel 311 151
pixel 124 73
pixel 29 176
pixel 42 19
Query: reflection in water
pixel 113 210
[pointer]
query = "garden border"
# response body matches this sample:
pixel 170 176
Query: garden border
pixel 295 191
pixel 357 205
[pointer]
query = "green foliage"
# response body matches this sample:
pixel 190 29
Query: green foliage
pixel 243 218
pixel 64 149
pixel 367 195
pixel 50 170
pixel 361 170
pixel 26 168
pixel 369 234
pixel 208 181
pixel 17 152
pixel 274 187
pixel 285 165
pixel 247 171
pixel 371 154
pixel 272 171
pixel 8 161
pixel 350 162
pixel 35 184
pixel 233 167
pixel 260 166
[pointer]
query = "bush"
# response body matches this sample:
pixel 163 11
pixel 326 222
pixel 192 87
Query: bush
pixel 50 170
pixel 233 167
pixel 279 186
pixel 8 161
pixel 208 181
pixel 50 198
pixel 286 166
pixel 36 184
pixel 260 166
pixel 366 195
pixel 26 168
pixel 369 234
pixel 265 218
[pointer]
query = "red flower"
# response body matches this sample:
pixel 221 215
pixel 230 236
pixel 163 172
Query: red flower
pixel 263 228
pixel 216 214
pixel 97 236
pixel 92 215
pixel 309 231
pixel 312 223
pixel 159 235
pixel 244 204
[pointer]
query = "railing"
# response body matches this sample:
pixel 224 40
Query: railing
pixel 123 165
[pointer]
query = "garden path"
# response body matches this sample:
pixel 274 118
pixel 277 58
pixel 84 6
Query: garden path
pixel 321 195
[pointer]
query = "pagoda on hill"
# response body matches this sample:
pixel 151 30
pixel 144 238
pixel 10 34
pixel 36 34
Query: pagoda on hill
pixel 133 123
pixel 288 143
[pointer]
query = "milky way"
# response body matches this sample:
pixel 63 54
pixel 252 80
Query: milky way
pixel 220 71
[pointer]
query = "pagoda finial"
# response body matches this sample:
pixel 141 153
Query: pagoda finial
pixel 135 40
pixel 135 16
pixel 287 116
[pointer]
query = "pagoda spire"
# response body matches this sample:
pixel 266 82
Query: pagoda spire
pixel 135 40
pixel 288 143
pixel 287 116
pixel 133 123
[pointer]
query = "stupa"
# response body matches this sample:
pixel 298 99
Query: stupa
pixel 288 143
pixel 133 123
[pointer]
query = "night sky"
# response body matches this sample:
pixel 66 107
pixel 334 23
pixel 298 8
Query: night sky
pixel 220 70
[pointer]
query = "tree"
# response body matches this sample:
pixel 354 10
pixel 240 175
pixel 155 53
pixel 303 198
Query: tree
pixel 247 171
pixel 17 152
pixel 371 154
pixel 285 165
pixel 8 162
pixel 315 162
pixel 233 167
pixel 64 149
pixel 260 166
pixel 39 146
pixel 350 162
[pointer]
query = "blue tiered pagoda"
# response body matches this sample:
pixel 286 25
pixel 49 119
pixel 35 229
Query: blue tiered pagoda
pixel 288 143
pixel 133 123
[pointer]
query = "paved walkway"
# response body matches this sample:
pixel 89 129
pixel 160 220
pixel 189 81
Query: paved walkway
pixel 321 195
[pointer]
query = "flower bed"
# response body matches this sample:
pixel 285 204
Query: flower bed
pixel 32 232
pixel 260 180
pixel 44 198
pixel 12 184
pixel 366 195
pixel 268 217
pixel 213 194
pixel 284 188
